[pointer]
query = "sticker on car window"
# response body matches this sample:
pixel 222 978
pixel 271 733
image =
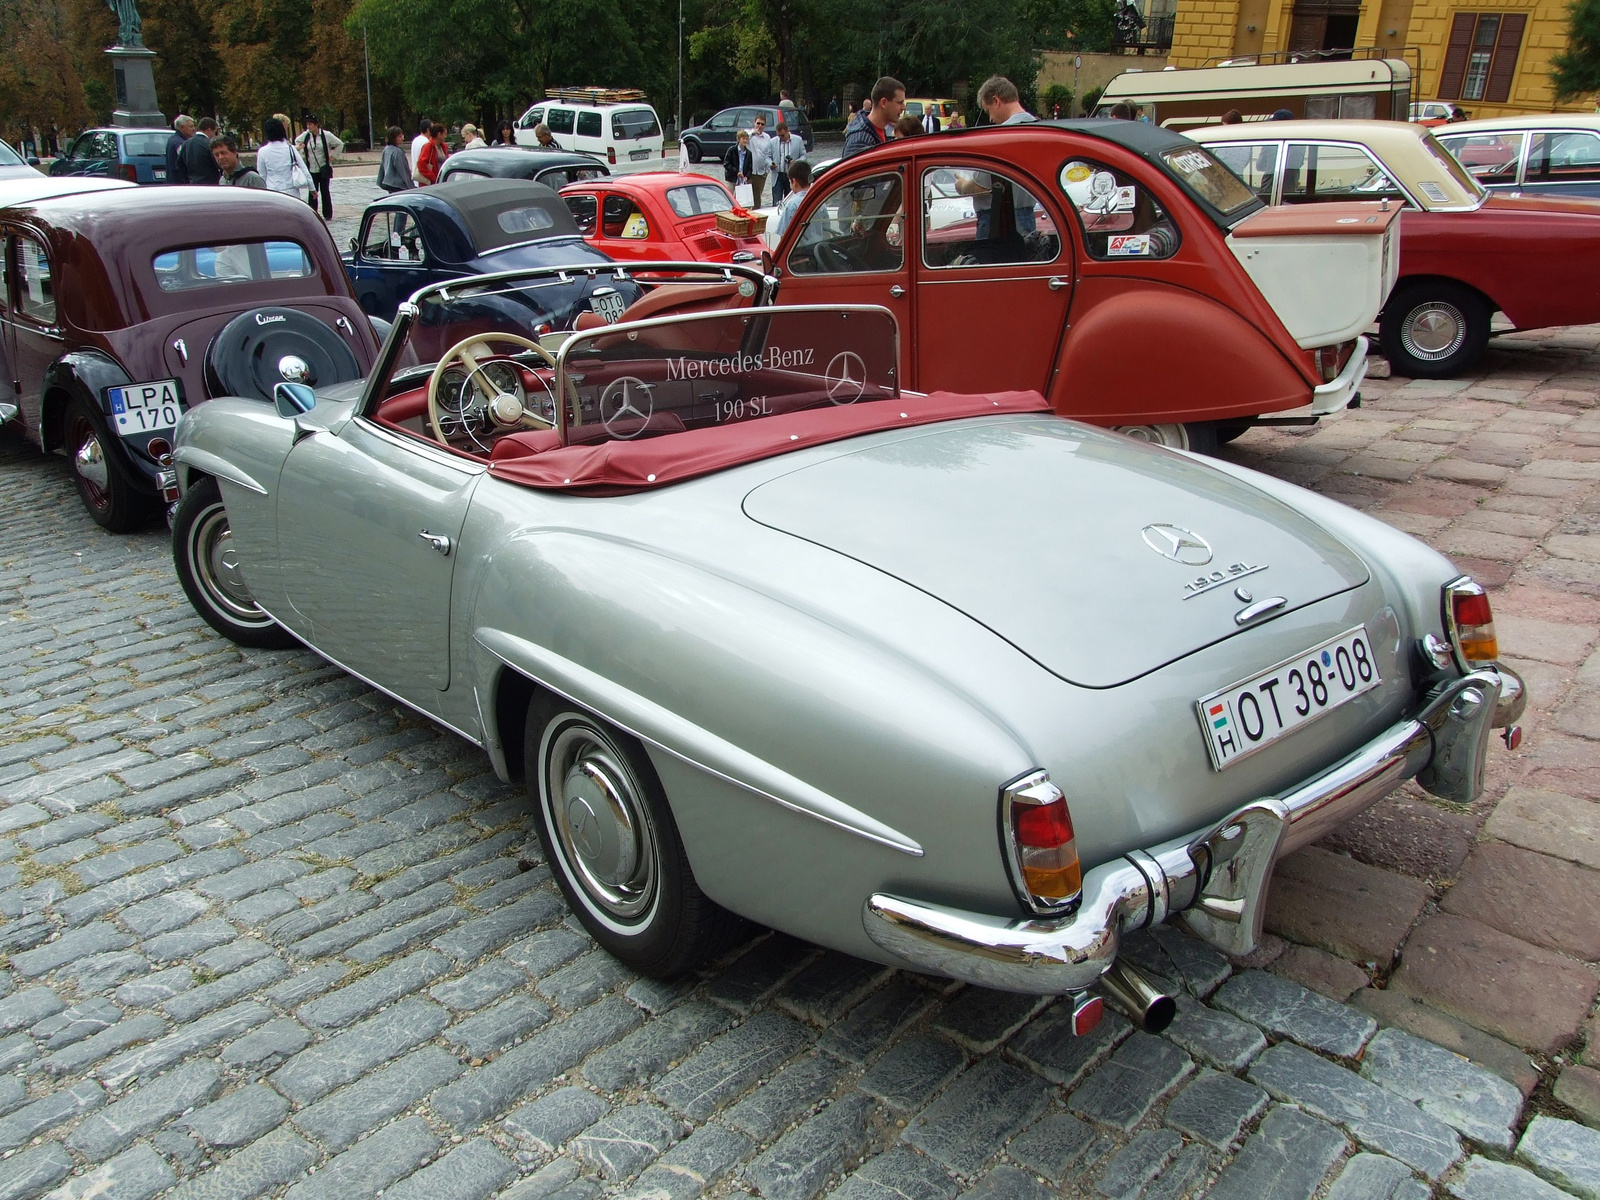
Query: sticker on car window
pixel 636 227
pixel 1128 245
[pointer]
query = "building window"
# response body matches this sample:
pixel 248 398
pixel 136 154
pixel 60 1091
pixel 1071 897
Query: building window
pixel 1481 58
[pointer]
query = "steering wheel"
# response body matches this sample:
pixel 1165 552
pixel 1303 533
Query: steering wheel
pixel 484 396
pixel 830 258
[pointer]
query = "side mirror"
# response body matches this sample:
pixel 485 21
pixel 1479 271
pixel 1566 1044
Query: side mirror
pixel 33 161
pixel 292 399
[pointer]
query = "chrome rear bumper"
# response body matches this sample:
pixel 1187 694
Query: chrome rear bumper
pixel 1217 879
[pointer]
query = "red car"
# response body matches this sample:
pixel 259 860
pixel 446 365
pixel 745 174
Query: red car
pixel 657 216
pixel 1135 283
pixel 1465 253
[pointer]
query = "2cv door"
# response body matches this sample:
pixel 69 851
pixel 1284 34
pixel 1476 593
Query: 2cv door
pixel 993 269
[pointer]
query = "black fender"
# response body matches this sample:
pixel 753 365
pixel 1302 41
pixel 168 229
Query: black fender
pixel 86 373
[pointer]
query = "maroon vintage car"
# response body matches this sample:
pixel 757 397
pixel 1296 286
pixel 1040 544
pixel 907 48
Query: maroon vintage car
pixel 124 307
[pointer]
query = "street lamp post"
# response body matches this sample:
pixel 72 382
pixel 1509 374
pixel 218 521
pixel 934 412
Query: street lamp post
pixel 366 62
pixel 680 70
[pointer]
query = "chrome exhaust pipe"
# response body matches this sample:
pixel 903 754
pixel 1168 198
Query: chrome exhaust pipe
pixel 1139 999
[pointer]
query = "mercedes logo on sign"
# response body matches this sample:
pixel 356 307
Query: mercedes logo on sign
pixel 622 399
pixel 1178 544
pixel 846 377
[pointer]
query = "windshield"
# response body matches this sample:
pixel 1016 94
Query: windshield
pixel 1448 163
pixel 1209 179
pixel 145 145
pixel 725 368
pixel 8 157
pixel 699 200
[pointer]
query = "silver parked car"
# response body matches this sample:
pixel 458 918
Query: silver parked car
pixel 943 681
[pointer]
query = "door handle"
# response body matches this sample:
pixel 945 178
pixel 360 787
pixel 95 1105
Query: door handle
pixel 1058 283
pixel 897 291
pixel 437 540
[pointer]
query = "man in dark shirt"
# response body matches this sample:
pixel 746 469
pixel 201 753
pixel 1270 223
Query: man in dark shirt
pixel 198 164
pixel 182 127
pixel 871 125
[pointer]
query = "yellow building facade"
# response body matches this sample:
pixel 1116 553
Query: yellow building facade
pixel 1490 56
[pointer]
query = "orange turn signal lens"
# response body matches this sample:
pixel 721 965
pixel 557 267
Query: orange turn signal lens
pixel 1471 622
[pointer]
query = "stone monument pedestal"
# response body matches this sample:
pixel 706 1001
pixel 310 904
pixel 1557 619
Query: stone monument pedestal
pixel 135 88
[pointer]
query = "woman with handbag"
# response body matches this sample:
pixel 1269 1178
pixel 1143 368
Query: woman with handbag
pixel 280 163
pixel 317 147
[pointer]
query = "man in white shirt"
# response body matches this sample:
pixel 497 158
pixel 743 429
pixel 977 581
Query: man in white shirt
pixel 785 149
pixel 418 142
pixel 760 158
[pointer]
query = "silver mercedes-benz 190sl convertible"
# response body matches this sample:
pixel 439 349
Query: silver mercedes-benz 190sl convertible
pixel 944 681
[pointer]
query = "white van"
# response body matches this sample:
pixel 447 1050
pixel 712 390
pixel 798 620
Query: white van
pixel 611 123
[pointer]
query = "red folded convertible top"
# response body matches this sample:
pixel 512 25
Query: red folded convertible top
pixel 616 467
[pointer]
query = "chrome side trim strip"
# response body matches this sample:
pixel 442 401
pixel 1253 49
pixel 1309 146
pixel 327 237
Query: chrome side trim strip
pixel 690 743
pixel 215 464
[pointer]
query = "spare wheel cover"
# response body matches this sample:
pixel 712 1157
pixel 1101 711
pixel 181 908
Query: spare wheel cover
pixel 267 346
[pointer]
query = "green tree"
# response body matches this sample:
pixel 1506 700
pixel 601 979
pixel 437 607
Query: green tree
pixel 1575 71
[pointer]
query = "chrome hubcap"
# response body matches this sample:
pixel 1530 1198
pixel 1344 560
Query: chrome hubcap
pixel 601 822
pixel 216 566
pixel 1174 436
pixel 90 463
pixel 1433 331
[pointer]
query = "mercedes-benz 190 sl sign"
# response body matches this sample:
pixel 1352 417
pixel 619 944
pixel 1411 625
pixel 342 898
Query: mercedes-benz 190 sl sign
pixel 945 681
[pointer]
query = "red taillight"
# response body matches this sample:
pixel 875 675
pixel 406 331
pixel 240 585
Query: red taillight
pixel 1470 621
pixel 1042 849
pixel 611 155
pixel 1044 827
pixel 129 172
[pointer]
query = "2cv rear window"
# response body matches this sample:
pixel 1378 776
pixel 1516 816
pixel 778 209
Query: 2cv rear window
pixel 242 262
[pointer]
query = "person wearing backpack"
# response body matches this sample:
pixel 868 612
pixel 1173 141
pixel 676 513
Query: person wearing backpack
pixel 317 147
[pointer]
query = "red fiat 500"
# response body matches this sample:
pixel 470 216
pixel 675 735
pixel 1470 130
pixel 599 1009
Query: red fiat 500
pixel 658 216
pixel 1136 283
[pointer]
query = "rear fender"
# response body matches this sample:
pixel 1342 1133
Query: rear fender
pixel 831 741
pixel 85 373
pixel 1141 352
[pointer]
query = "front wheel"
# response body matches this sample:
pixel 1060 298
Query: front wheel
pixel 1199 436
pixel 695 153
pixel 109 497
pixel 611 840
pixel 1433 330
pixel 202 551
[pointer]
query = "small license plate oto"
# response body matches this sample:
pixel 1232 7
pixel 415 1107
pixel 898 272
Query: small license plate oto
pixel 145 407
pixel 1254 713
pixel 608 303
pixel 636 155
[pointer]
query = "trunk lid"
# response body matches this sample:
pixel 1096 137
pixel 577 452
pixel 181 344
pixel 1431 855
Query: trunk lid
pixel 1100 558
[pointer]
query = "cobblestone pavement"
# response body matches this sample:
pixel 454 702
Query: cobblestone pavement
pixel 267 934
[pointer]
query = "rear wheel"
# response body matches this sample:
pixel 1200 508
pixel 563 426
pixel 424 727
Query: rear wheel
pixel 611 840
pixel 695 152
pixel 1199 436
pixel 1434 330
pixel 109 497
pixel 203 553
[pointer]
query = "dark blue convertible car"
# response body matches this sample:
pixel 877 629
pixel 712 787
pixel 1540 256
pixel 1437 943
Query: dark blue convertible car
pixel 476 227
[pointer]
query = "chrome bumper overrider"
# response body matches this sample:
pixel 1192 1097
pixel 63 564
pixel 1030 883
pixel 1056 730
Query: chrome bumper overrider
pixel 1335 395
pixel 1216 879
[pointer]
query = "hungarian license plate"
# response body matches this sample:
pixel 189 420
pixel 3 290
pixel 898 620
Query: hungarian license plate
pixel 636 155
pixel 1256 712
pixel 145 407
pixel 158 173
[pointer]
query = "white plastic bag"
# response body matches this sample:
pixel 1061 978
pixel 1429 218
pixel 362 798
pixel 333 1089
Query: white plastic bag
pixel 744 195
pixel 299 177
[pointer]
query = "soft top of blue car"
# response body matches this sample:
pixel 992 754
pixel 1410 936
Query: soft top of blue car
pixel 474 217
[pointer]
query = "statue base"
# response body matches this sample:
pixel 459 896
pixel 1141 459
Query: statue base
pixel 135 88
